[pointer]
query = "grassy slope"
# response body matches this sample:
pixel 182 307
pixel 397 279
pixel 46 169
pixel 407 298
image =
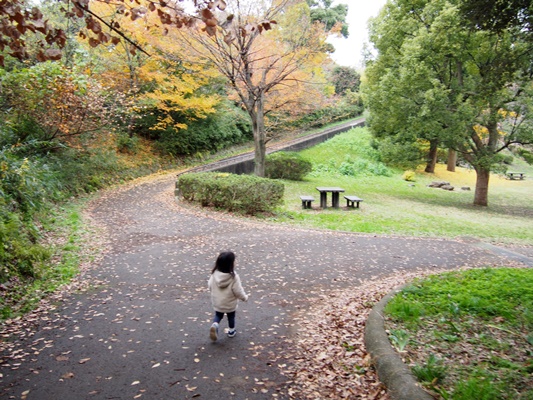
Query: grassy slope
pixel 394 206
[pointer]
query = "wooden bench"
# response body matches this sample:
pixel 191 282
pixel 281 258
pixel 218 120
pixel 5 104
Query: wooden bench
pixel 513 175
pixel 352 201
pixel 306 201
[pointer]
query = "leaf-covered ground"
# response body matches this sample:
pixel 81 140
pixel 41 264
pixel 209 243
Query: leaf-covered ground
pixel 143 331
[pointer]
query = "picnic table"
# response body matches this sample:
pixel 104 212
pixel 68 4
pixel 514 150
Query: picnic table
pixel 335 191
pixel 518 175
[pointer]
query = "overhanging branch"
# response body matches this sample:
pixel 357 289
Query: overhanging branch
pixel 112 28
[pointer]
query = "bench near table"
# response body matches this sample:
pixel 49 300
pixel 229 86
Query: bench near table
pixel 334 196
pixel 518 175
pixel 352 201
pixel 306 201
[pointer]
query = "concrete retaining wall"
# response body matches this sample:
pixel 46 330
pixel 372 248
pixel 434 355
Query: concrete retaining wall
pixel 247 166
pixel 240 167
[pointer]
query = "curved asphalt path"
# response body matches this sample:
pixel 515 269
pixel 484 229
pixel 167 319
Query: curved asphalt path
pixel 144 332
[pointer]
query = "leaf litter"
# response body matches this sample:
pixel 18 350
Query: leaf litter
pixel 327 357
pixel 324 357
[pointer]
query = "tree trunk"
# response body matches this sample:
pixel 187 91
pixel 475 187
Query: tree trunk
pixel 432 156
pixel 258 124
pixel 482 187
pixel 452 160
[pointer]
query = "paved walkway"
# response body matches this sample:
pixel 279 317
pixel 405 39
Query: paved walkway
pixel 144 334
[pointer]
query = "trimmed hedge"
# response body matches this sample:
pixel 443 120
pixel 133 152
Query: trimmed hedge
pixel 287 165
pixel 245 193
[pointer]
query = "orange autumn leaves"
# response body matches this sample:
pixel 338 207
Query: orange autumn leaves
pixel 175 79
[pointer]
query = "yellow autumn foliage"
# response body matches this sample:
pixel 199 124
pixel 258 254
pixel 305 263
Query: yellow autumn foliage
pixel 168 81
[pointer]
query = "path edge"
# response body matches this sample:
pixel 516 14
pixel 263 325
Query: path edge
pixel 392 371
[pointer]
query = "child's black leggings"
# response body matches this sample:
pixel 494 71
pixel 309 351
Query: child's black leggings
pixel 231 318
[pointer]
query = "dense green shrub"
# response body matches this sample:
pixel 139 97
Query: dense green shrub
pixel 244 193
pixel 87 170
pixel 127 143
pixel 347 168
pixel 361 166
pixel 23 192
pixel 508 159
pixel 349 154
pixel 504 159
pixel 345 147
pixel 227 126
pixel 22 184
pixel 20 255
pixel 287 165
pixel 84 171
pixel 34 176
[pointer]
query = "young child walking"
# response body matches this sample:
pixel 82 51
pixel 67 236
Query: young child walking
pixel 226 289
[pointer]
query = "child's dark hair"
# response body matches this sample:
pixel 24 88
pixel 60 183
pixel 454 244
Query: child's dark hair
pixel 225 263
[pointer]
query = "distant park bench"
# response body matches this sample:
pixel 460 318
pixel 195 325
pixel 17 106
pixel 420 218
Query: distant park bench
pixel 352 201
pixel 306 201
pixel 516 175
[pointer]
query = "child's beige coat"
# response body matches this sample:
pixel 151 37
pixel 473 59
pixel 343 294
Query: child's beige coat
pixel 226 290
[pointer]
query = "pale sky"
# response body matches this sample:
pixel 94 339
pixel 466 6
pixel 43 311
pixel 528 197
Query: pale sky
pixel 348 51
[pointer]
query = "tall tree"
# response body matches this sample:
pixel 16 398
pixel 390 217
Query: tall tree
pixel 345 78
pixel 437 78
pixel 259 65
pixel 333 17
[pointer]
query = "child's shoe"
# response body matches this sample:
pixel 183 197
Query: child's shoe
pixel 232 332
pixel 213 332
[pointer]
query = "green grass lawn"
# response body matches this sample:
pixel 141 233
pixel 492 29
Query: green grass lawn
pixel 394 206
pixel 467 334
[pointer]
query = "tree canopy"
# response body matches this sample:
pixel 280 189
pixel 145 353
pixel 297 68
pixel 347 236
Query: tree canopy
pixel 499 15
pixel 333 18
pixel 344 79
pixel 436 78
